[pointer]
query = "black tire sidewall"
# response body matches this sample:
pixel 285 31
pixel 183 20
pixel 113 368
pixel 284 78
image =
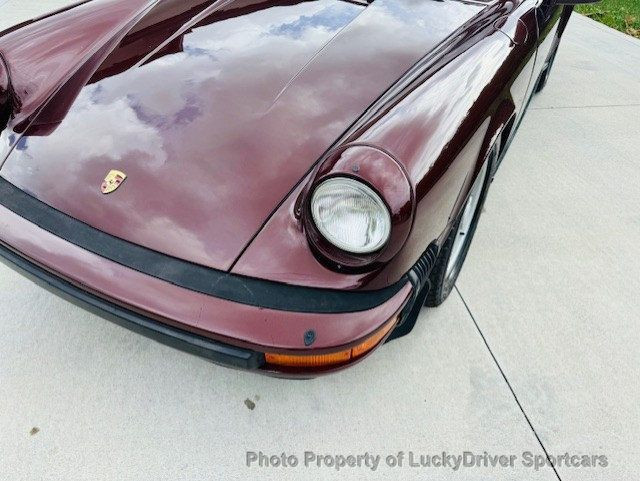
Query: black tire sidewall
pixel 441 287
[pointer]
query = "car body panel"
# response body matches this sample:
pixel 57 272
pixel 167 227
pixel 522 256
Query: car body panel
pixel 240 324
pixel 488 78
pixel 548 22
pixel 246 106
pixel 409 97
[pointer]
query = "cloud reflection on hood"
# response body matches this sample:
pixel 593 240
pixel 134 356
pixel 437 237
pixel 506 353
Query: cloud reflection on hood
pixel 208 150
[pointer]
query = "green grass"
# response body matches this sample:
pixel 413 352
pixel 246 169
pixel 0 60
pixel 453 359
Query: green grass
pixel 623 15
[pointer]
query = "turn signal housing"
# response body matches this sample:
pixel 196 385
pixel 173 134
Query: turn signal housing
pixel 319 361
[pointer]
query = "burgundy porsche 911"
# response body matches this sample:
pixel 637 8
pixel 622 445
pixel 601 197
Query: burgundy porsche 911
pixel 274 185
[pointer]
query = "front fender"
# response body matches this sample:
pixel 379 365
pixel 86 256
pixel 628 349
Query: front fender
pixel 62 49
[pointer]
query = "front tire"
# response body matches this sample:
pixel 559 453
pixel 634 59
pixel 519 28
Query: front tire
pixel 454 250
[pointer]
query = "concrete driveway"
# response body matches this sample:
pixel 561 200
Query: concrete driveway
pixel 537 351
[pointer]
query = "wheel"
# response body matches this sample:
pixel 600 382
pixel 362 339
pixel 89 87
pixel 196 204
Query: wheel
pixel 454 250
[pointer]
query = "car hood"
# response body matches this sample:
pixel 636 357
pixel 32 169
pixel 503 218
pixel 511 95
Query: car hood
pixel 213 110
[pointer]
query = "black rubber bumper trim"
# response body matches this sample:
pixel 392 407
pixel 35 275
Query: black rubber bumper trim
pixel 216 283
pixel 215 351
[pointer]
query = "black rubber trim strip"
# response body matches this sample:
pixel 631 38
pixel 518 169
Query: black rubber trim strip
pixel 231 287
pixel 215 351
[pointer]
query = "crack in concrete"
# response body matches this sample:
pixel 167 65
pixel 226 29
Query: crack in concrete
pixel 585 107
pixel 506 380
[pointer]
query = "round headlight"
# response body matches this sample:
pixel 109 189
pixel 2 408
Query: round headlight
pixel 350 215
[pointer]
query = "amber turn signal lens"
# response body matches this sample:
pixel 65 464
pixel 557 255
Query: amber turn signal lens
pixel 373 341
pixel 324 360
pixel 308 361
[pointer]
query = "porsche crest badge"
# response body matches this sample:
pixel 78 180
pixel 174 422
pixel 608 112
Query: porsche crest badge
pixel 112 181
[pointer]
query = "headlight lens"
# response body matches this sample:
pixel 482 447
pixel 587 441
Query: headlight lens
pixel 350 215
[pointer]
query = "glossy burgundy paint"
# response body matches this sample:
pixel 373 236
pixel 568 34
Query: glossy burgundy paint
pixel 487 79
pixel 243 325
pixel 243 111
pixel 225 114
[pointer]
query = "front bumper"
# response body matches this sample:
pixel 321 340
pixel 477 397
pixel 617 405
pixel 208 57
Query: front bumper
pixel 228 332
pixel 217 352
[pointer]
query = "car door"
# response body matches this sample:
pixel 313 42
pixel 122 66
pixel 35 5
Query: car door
pixel 522 27
pixel 548 19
